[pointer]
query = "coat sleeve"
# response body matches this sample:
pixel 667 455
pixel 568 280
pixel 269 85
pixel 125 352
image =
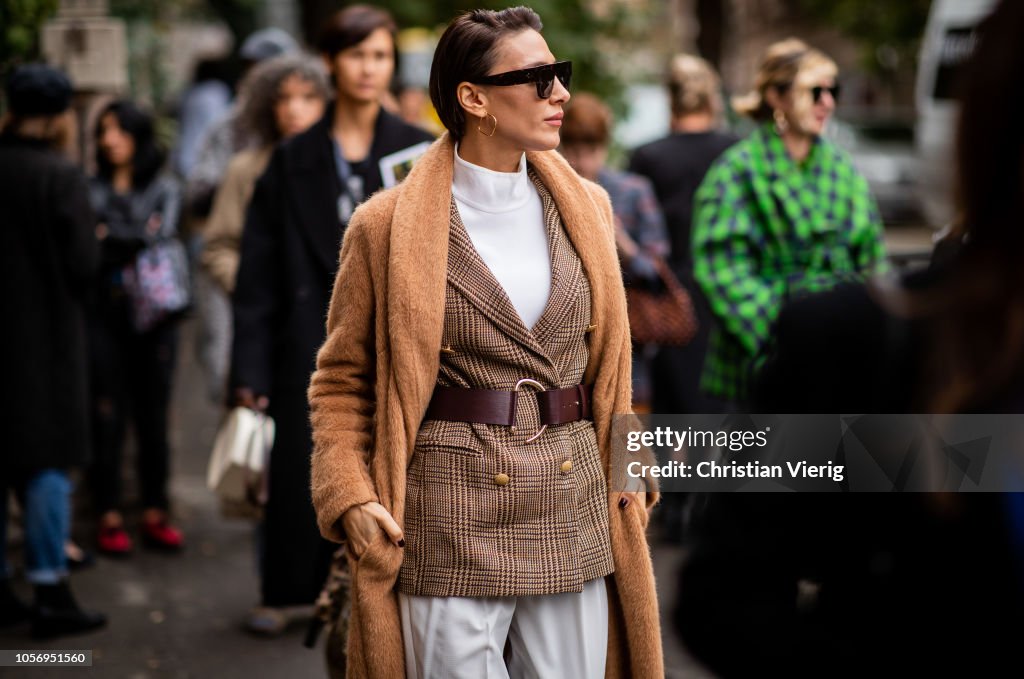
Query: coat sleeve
pixel 223 234
pixel 76 228
pixel 259 296
pixel 725 237
pixel 867 239
pixel 341 391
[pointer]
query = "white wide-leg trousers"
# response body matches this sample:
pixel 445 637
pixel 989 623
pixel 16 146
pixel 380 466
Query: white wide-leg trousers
pixel 562 636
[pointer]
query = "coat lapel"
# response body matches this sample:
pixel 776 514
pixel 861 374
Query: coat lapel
pixel 593 240
pixel 416 278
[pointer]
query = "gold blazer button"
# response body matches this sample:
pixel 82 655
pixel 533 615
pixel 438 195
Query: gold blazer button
pixel 591 328
pixel 501 479
pixel 448 350
pixel 567 466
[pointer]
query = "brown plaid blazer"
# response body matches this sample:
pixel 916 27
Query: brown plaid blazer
pixel 545 531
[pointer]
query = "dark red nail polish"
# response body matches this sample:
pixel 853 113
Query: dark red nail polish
pixel 401 543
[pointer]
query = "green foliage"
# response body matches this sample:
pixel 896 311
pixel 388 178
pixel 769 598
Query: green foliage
pixel 20 22
pixel 888 31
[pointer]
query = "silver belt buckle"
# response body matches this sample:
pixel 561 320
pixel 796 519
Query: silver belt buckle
pixel 540 387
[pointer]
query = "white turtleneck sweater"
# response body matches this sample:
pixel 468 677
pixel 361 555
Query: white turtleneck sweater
pixel 504 217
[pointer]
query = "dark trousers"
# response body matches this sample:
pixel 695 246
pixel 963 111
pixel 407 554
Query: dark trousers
pixel 295 559
pixel 131 380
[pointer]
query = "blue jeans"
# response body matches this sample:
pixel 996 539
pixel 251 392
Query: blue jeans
pixel 45 498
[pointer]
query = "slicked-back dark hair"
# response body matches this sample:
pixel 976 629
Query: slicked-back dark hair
pixel 149 156
pixel 466 52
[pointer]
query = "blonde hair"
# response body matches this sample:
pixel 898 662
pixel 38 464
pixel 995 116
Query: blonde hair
pixel 693 86
pixel 782 63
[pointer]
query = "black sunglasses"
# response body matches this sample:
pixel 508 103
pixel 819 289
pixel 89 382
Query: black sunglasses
pixel 817 91
pixel 542 76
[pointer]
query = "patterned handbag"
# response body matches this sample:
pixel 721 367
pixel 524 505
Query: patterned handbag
pixel 158 283
pixel 664 317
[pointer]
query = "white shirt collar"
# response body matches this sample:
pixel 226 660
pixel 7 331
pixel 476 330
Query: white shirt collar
pixel 490 191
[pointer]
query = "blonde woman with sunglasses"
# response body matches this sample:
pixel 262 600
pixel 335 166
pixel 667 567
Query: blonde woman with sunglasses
pixel 477 348
pixel 780 214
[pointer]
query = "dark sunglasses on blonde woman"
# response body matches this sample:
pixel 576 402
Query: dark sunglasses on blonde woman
pixel 542 76
pixel 817 91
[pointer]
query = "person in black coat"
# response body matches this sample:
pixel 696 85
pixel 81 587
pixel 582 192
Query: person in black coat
pixel 898 583
pixel 676 164
pixel 289 257
pixel 48 254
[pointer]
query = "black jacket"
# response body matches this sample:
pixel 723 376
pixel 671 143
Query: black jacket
pixel 49 257
pixel 289 255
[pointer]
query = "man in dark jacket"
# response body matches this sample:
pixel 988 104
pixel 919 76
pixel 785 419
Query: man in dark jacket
pixel 49 255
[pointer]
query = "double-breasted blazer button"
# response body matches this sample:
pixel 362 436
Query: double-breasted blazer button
pixel 501 479
pixel 566 466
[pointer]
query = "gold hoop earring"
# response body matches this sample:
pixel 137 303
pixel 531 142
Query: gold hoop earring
pixel 493 127
pixel 781 125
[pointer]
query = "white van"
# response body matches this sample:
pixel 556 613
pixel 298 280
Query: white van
pixel 948 43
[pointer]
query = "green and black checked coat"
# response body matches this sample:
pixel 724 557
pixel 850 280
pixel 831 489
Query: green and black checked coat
pixel 546 530
pixel 766 229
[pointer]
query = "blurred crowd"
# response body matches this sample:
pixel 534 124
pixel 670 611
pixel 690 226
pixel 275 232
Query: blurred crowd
pixel 773 239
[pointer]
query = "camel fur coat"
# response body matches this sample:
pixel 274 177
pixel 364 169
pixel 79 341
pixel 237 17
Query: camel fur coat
pixel 378 368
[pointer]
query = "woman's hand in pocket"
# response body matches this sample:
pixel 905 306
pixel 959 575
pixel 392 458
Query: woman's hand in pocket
pixel 364 522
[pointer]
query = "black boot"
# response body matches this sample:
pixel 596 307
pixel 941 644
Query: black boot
pixel 12 610
pixel 56 613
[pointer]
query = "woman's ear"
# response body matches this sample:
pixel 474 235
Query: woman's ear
pixel 772 97
pixel 472 99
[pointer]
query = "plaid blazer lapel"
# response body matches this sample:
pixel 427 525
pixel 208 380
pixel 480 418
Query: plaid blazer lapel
pixel 470 275
pixel 566 273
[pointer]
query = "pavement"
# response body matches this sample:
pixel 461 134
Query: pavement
pixel 180 616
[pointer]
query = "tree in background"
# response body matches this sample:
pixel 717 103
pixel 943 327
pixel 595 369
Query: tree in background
pixel 889 32
pixel 20 21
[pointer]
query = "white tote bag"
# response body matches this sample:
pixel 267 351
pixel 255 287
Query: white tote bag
pixel 240 456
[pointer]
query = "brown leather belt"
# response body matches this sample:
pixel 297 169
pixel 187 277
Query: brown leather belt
pixel 491 406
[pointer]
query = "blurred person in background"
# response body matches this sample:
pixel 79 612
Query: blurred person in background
pixel 284 96
pixel 228 135
pixel 289 255
pixel 923 584
pixel 205 102
pixel 675 166
pixel 49 257
pixel 779 214
pixel 131 370
pixel 639 227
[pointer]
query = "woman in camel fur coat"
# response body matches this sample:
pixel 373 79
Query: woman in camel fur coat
pixel 462 414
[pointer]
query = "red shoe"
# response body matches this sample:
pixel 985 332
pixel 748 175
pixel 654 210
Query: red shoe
pixel 162 535
pixel 114 541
